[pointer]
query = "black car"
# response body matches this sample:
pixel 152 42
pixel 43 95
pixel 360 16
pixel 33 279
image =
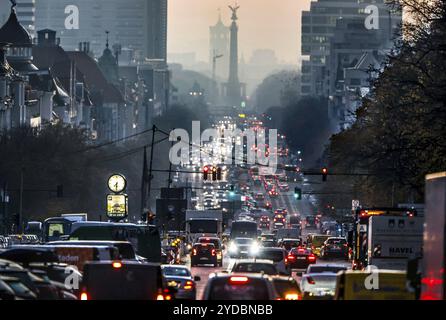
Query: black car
pixel 300 258
pixel 335 247
pixel 202 254
pixel 180 278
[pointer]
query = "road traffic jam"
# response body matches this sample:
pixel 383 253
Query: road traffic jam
pixel 249 234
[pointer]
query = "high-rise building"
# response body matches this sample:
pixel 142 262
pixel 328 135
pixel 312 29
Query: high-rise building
pixel 137 24
pixel 318 25
pixel 219 46
pixel 25 10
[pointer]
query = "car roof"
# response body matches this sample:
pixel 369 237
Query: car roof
pixel 221 275
pixel 272 248
pixel 174 266
pixel 290 239
pixel 319 274
pixel 241 261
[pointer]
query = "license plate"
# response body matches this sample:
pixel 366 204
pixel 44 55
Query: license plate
pixel 204 258
pixel 301 258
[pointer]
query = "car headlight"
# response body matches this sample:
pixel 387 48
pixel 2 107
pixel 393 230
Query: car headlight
pixel 233 247
pixel 255 248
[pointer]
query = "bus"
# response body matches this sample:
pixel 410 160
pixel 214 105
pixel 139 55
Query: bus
pixel 244 229
pixel 360 231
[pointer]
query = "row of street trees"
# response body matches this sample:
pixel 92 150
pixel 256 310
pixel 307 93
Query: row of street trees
pixel 399 133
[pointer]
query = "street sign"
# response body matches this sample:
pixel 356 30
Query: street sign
pixel 355 205
pixel 117 206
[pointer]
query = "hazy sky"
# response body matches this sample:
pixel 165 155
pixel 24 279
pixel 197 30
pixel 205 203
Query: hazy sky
pixel 263 24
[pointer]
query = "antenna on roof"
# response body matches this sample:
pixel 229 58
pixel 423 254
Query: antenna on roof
pixel 13 4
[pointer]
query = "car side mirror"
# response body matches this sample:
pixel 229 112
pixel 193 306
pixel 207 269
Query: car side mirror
pixel 197 278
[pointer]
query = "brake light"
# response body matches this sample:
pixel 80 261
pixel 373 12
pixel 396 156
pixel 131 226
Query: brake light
pixel 189 285
pixel 291 296
pixel 312 257
pixel 84 296
pixel 160 297
pixel 238 280
pixel 291 257
pixel 310 280
pixel 117 265
pixel 213 252
pixel 194 252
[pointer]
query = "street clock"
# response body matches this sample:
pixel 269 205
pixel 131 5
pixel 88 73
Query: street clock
pixel 117 183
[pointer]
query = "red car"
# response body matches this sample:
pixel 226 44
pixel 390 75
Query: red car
pixel 280 218
pixel 273 193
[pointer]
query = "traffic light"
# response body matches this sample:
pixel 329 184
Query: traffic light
pixel 219 174
pixel 232 193
pixel 298 193
pixel 324 174
pixel 205 173
pixel 59 191
pixel 214 174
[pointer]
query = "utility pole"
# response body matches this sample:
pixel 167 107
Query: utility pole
pixel 149 189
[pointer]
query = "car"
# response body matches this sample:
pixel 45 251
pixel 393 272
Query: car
pixel 300 258
pixel 310 222
pixel 203 254
pixel 278 256
pixel 318 286
pixel 335 247
pixel 223 286
pixel 259 196
pixel 280 219
pixel 325 268
pixel 218 247
pixel 316 241
pixel 287 288
pixel 284 187
pixel 268 243
pixel 180 278
pixel 123 280
pixel 253 266
pixel 273 193
pixel 278 225
pixel 20 290
pixel 289 244
pixel 6 292
pixel 268 205
pixel 243 247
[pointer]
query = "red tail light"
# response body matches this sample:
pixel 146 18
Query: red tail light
pixel 194 252
pixel 84 296
pixel 312 258
pixel 213 252
pixel 117 265
pixel 291 257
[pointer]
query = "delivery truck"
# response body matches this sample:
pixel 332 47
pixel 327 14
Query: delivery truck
pixel 393 241
pixel 201 223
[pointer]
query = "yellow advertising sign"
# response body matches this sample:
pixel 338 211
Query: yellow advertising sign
pixel 117 205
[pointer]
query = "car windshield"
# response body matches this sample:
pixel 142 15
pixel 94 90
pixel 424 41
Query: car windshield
pixel 215 242
pixel 253 289
pixel 255 268
pixel 291 244
pixel 175 271
pixel 317 241
pixel 274 255
pixel 336 241
pixel 19 288
pixel 243 241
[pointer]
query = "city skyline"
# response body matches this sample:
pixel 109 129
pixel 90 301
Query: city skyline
pixel 188 26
